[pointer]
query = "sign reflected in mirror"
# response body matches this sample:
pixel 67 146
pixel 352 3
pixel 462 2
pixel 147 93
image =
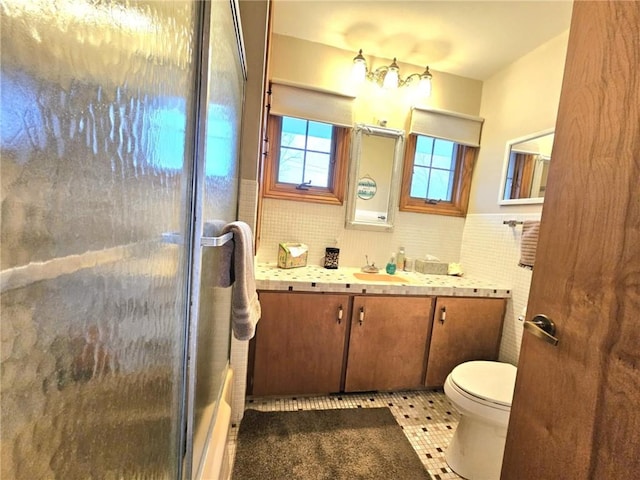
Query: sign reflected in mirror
pixel 367 188
pixel 374 176
pixel 526 166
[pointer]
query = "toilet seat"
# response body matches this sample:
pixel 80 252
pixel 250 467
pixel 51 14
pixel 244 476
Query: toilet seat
pixel 488 383
pixel 464 401
pixel 481 391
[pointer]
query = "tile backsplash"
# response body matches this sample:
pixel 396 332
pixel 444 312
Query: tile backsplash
pixel 320 226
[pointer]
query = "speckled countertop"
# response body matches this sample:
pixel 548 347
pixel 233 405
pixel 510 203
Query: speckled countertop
pixel 318 279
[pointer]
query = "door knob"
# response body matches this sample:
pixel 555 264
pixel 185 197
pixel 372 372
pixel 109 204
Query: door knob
pixel 542 327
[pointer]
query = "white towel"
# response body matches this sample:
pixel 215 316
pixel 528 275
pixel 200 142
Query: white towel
pixel 217 262
pixel 529 243
pixel 245 306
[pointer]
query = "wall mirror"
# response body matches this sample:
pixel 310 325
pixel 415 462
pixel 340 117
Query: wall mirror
pixel 525 170
pixel 374 177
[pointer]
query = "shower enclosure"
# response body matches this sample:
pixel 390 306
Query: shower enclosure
pixel 119 143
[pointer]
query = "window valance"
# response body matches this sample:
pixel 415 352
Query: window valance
pixel 457 127
pixel 311 104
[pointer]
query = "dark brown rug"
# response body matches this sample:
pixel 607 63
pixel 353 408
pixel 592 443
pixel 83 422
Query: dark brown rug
pixel 363 443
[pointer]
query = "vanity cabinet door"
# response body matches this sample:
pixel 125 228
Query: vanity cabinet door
pixel 464 329
pixel 299 343
pixel 387 346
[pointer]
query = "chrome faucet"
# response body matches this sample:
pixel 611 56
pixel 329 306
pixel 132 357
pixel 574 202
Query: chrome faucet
pixel 370 268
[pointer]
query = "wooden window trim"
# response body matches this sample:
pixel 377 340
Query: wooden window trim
pixel 332 195
pixel 457 207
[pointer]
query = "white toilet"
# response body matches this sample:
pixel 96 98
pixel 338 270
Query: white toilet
pixel 481 391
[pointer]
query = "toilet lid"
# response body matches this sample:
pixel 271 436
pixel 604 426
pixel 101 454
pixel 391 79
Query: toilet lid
pixel 491 381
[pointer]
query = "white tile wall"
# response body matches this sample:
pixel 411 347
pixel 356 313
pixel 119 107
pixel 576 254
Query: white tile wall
pixel 491 250
pixel 320 226
pixel 248 202
pixel 247 207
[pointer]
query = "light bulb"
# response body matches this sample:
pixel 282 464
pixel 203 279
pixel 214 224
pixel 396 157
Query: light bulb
pixel 424 86
pixel 392 76
pixel 358 72
pixel 390 80
pixel 359 68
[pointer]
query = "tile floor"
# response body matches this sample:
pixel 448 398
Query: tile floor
pixel 427 418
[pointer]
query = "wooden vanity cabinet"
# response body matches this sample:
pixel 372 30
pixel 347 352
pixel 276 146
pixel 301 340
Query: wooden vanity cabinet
pixel 314 343
pixel 388 342
pixel 300 343
pixel 464 329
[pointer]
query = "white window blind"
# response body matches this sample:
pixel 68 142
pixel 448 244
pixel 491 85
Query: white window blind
pixel 311 104
pixel 459 128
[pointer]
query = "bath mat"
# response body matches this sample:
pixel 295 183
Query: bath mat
pixel 341 444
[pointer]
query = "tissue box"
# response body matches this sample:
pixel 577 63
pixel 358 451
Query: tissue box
pixel 292 255
pixel 430 267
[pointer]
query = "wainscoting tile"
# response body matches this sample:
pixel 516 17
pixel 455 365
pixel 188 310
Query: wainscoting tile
pixel 320 226
pixel 491 251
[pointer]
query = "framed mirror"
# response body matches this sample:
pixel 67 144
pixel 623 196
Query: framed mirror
pixel 374 177
pixel 525 170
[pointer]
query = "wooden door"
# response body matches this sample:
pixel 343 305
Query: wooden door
pixel 387 347
pixel 576 407
pixel 300 341
pixel 471 330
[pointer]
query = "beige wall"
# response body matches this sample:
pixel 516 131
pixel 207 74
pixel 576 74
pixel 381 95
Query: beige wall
pixel 316 65
pixel 254 29
pixel 519 100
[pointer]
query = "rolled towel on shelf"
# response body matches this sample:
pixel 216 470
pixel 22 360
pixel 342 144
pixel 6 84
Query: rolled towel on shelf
pixel 245 306
pixel 529 243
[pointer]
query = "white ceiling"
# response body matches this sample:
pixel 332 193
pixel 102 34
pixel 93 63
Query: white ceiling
pixel 473 39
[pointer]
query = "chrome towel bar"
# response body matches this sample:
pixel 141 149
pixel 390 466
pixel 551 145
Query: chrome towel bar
pixel 512 223
pixel 176 238
pixel 216 241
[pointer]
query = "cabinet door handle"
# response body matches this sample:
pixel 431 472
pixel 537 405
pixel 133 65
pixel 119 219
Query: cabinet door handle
pixel 443 314
pixel 339 320
pixel 361 317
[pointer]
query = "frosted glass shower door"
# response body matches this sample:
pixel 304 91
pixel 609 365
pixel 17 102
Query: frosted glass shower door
pixel 217 203
pixel 98 126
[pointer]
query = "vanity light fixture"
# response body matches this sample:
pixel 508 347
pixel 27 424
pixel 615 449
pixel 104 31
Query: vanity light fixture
pixel 389 76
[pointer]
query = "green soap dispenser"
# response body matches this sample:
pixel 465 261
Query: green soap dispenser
pixel 391 266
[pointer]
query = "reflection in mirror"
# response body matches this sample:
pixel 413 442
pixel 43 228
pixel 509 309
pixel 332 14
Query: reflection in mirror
pixel 526 166
pixel 374 177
